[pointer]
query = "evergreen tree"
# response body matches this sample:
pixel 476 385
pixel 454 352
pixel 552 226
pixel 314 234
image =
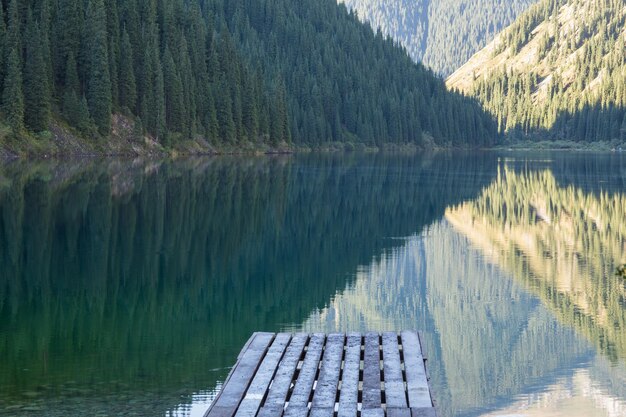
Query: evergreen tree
pixel 225 122
pixel 37 98
pixel 3 45
pixel 127 83
pixel 98 78
pixel 13 39
pixel 173 93
pixel 12 97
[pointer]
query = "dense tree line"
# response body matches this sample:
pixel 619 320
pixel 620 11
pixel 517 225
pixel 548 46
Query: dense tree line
pixel 347 83
pixel 442 34
pixel 577 88
pixel 160 62
pixel 231 72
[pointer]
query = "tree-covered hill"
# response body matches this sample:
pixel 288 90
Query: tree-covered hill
pixel 559 72
pixel 236 73
pixel 443 34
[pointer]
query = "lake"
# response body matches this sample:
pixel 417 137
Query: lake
pixel 127 288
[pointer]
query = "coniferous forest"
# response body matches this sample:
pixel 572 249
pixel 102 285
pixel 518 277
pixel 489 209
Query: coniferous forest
pixel 224 73
pixel 443 34
pixel 560 73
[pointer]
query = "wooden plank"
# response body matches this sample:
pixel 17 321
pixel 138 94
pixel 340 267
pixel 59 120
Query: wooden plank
pixel 296 411
pixel 371 372
pixel 417 382
pixel 373 412
pixel 424 412
pixel 395 394
pixel 239 378
pixel 322 412
pixel 398 412
pixel 326 389
pixel 271 411
pixel 277 395
pixel 258 388
pixel 304 385
pixel 349 395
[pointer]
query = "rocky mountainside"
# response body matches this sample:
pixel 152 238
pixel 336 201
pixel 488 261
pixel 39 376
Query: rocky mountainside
pixel 559 72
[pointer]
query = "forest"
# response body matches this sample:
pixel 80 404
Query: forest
pixel 442 34
pixel 236 73
pixel 574 84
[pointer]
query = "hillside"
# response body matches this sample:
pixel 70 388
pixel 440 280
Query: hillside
pixel 441 34
pixel 559 72
pixel 214 74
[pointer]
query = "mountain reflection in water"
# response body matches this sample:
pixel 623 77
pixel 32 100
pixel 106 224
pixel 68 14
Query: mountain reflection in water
pixel 128 287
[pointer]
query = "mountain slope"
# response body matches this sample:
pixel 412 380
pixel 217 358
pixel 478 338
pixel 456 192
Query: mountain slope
pixel 559 72
pixel 236 74
pixel 443 34
pixel 344 82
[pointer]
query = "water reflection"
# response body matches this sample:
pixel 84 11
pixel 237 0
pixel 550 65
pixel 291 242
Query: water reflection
pixel 523 315
pixel 487 338
pixel 128 287
pixel 560 243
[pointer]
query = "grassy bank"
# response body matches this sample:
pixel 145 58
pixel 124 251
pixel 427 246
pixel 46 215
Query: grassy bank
pixel 604 146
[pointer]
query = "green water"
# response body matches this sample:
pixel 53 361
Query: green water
pixel 128 287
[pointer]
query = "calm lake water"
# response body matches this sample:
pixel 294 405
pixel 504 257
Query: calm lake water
pixel 127 288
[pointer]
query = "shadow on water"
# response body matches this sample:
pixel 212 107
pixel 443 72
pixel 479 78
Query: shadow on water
pixel 126 286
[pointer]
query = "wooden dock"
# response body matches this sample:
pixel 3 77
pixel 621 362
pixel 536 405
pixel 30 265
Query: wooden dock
pixel 320 375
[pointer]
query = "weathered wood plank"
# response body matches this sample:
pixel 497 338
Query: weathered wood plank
pixel 322 412
pixel 398 412
pixel 277 395
pixel 372 412
pixel 239 379
pixel 271 411
pixel 424 412
pixel 326 389
pixel 371 372
pixel 304 385
pixel 349 394
pixel 260 382
pixel 395 394
pixel 258 388
pixel 296 411
pixel 417 382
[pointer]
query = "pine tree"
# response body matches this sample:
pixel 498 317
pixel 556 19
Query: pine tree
pixel 173 93
pixel 250 110
pixel 45 20
pixel 127 82
pixel 3 45
pixel 159 107
pixel 13 39
pixel 75 107
pixel 98 78
pixel 113 33
pixel 226 124
pixel 37 96
pixel 68 32
pixel 12 97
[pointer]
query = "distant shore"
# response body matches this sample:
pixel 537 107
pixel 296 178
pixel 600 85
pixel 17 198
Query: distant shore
pixel 61 141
